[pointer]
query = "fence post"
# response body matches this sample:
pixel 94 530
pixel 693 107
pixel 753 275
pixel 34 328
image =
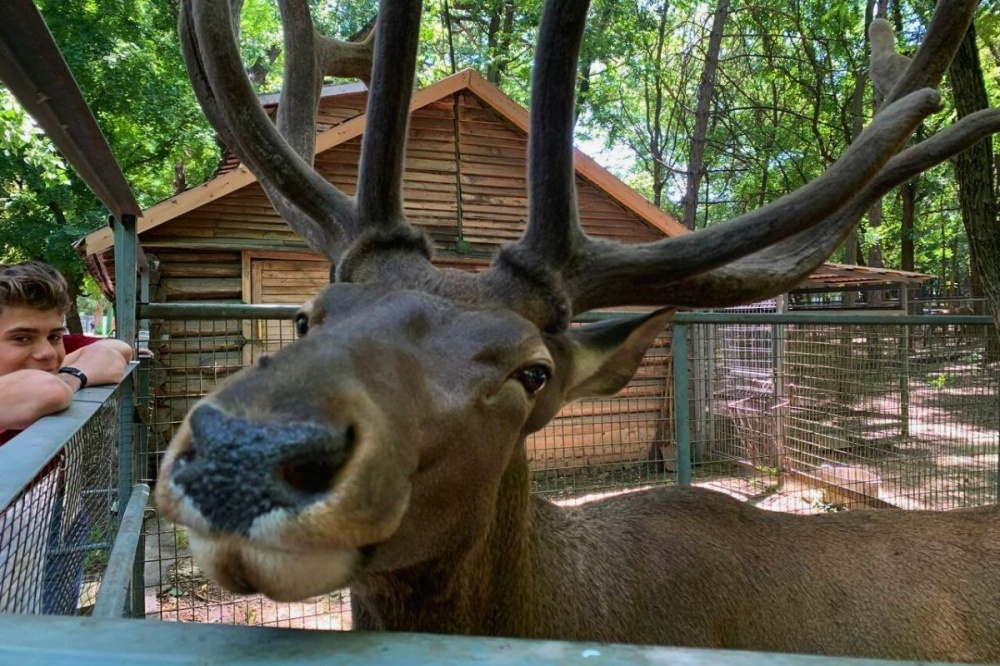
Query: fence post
pixel 682 406
pixel 125 321
pixel 778 347
pixel 904 382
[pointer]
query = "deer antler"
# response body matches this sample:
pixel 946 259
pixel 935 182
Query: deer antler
pixel 281 158
pixel 754 256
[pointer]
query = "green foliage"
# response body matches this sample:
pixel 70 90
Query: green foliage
pixel 126 60
pixel 783 109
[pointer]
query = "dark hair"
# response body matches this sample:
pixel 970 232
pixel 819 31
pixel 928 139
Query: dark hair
pixel 32 284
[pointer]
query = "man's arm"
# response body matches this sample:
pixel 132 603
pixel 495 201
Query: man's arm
pixel 102 363
pixel 27 395
pixel 119 346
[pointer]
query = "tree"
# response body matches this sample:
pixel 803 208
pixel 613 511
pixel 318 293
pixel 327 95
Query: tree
pixel 125 59
pixel 706 90
pixel 974 171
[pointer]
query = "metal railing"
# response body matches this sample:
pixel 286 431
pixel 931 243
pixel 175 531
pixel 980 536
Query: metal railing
pixel 61 491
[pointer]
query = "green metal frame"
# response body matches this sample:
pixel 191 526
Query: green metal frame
pixel 28 641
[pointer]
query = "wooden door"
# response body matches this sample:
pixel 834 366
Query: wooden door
pixel 281 280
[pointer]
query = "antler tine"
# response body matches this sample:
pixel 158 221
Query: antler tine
pixel 780 267
pixel 948 25
pixel 380 174
pixel 312 206
pixel 553 230
pixel 602 274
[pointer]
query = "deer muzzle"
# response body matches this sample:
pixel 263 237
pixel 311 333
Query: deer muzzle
pixel 236 470
pixel 289 507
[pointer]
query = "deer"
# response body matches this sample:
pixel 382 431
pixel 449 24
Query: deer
pixel 384 449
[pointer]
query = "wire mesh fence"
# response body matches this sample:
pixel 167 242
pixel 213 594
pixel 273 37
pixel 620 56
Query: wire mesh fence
pixel 803 416
pixel 827 414
pixel 57 530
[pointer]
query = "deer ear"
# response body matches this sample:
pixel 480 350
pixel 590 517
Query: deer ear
pixel 604 356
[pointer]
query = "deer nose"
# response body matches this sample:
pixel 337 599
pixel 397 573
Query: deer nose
pixel 237 470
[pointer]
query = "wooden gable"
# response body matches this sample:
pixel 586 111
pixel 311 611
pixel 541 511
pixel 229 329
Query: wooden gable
pixel 486 175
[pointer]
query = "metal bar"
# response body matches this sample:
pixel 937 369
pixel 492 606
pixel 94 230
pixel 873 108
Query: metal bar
pixel 117 579
pixel 126 272
pixel 828 318
pixel 904 380
pixel 83 641
pixel 682 407
pixel 207 311
pixel 137 602
pixel 126 437
pixel 126 298
pixel 33 69
pixel 700 368
pixel 86 548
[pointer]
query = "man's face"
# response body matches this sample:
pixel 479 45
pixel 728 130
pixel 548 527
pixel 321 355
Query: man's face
pixel 31 340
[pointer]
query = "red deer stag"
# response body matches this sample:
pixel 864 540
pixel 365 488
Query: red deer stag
pixel 384 449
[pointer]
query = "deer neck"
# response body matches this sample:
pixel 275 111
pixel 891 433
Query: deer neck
pixel 483 586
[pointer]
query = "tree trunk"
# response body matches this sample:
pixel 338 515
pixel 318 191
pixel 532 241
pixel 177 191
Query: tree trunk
pixel 974 173
pixel 73 323
pixel 908 194
pixel 706 91
pixel 852 246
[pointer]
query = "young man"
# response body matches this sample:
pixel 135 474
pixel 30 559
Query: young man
pixel 44 532
pixel 41 366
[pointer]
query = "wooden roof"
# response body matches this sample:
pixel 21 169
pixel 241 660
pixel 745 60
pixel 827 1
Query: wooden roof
pixel 342 129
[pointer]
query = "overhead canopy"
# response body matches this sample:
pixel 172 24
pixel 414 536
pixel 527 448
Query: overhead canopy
pixel 34 70
pixel 831 276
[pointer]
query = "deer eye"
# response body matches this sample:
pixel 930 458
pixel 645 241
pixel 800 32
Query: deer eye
pixel 301 324
pixel 533 377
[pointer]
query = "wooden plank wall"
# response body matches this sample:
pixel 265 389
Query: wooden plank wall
pixel 201 258
pixel 494 189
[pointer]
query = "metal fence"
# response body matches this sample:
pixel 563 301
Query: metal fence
pixel 802 412
pixel 59 506
pixel 810 413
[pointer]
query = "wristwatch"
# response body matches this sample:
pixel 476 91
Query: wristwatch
pixel 76 372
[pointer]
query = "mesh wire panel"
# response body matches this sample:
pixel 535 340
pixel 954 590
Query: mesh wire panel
pixel 819 417
pixel 56 535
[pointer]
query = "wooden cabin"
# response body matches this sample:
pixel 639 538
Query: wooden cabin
pixel 465 185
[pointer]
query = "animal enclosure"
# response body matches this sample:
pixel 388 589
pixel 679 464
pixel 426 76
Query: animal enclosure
pixel 802 413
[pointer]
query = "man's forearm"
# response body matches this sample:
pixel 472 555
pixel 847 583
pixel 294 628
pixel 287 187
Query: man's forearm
pixel 27 395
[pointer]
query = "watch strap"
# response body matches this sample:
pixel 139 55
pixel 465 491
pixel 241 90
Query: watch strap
pixel 76 372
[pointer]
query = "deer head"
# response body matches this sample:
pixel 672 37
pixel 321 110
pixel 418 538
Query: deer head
pixel 390 433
